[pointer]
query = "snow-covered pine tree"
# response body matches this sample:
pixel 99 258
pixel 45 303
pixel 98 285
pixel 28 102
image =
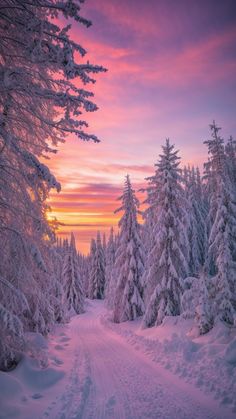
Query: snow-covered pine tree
pixel 11 337
pixel 168 259
pixel 110 261
pixel 148 234
pixel 73 291
pixel 42 100
pixel 230 151
pixel 104 243
pixel 129 260
pixel 92 268
pixel 29 271
pixel 197 301
pixel 197 229
pixel 83 262
pixel 57 292
pixel 222 240
pixel 185 176
pixel 97 273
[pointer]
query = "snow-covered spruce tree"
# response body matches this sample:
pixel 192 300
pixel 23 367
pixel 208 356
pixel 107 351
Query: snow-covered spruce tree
pixel 97 272
pixel 73 291
pixel 104 243
pixel 197 229
pixel 196 301
pixel 25 264
pixel 129 260
pixel 42 99
pixel 222 239
pixel 168 259
pixel 92 268
pixel 84 272
pixel 110 261
pixel 11 327
pixel 150 216
pixel 11 337
pixel 65 246
pixel 57 292
pixel 230 150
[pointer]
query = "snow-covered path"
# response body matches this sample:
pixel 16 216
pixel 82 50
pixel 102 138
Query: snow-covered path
pixel 120 382
pixel 105 377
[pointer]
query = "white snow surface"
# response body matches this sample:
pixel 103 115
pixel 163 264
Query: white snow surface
pixel 94 369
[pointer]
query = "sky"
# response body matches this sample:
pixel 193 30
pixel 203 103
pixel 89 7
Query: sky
pixel 171 71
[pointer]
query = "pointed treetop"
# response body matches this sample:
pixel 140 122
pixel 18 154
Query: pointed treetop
pixel 98 237
pixel 72 240
pixel 128 197
pixel 216 150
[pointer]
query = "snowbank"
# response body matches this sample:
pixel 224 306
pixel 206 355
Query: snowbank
pixel 83 364
pixel 35 374
pixel 208 361
pixel 50 381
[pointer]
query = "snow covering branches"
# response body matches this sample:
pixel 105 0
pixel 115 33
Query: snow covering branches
pixel 38 67
pixel 71 280
pixel 129 263
pixel 97 270
pixel 189 229
pixel 222 238
pixel 197 214
pixel 43 74
pixel 168 259
pixel 213 294
pixel 109 270
pixel 11 337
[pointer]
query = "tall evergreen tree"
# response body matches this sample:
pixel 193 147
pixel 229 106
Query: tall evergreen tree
pixel 57 292
pixel 97 273
pixel 230 151
pixel 148 234
pixel 73 290
pixel 92 268
pixel 109 271
pixel 128 301
pixel 197 229
pixel 222 240
pixel 168 259
pixel 104 243
pixel 83 262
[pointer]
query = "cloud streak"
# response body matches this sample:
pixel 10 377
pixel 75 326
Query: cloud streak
pixel 171 70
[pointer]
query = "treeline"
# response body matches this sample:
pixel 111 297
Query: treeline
pixel 182 259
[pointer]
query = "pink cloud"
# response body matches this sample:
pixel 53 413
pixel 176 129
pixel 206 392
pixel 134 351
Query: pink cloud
pixel 156 86
pixel 202 62
pixel 195 61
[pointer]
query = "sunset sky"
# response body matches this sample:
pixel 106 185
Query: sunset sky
pixel 171 71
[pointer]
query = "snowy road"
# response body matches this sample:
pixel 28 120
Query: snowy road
pixel 95 374
pixel 120 382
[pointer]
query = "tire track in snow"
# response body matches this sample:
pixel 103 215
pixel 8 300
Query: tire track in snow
pixel 109 379
pixel 127 385
pixel 70 403
pixel 103 401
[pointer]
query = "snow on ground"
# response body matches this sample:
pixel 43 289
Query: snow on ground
pixel 93 369
pixel 208 362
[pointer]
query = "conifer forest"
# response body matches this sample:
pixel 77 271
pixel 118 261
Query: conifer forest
pixel 117 218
